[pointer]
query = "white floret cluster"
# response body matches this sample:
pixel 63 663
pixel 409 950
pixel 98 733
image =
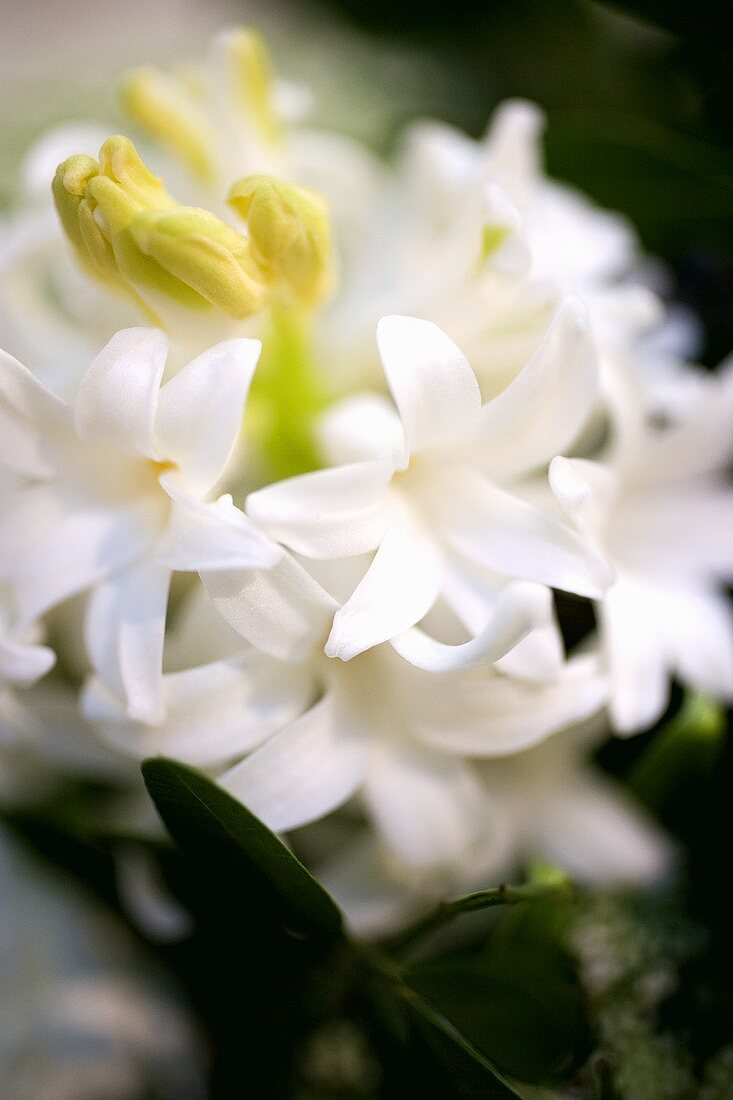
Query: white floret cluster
pixel 289 477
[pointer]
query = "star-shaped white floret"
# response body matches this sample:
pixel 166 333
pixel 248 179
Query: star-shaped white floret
pixel 111 494
pixel 436 498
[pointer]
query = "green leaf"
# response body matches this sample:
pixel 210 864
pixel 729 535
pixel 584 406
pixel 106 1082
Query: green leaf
pixel 207 823
pixel 466 1067
pixel 514 998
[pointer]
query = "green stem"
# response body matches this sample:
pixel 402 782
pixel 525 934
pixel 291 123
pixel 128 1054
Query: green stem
pixel 289 394
pixel 447 911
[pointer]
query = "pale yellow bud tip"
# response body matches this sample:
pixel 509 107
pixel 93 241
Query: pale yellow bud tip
pixel 129 232
pixel 289 231
pixel 164 107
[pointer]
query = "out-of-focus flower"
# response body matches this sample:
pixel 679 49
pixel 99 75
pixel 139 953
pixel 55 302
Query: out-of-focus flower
pixel 379 724
pixel 475 237
pixel 660 506
pixel 43 738
pixel 545 803
pixel 229 116
pixel 220 698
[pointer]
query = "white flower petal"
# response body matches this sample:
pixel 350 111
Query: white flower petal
pixel 519 609
pixel 358 878
pixel 301 773
pixel 81 547
pixel 473 593
pixel 433 386
pixel 210 537
pixel 398 589
pixel 539 656
pixel 598 835
pixel 360 429
pixel 586 491
pixel 197 634
pixel 429 808
pixel 22 662
pixel 702 443
pixel 504 533
pixel 698 628
pixel 512 256
pixel 544 409
pixel 636 651
pixel 683 530
pixel 334 513
pixel 200 411
pixel 125 626
pixel 213 713
pixel 282 610
pixel 29 415
pixel 46 721
pixel 486 714
pixel 117 398
pixel 512 146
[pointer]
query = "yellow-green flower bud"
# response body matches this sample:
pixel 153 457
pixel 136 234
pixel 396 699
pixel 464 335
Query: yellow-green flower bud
pixel 289 232
pixel 131 234
pixel 76 210
pixel 203 254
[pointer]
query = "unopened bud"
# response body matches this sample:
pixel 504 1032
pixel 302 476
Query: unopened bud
pixel 289 231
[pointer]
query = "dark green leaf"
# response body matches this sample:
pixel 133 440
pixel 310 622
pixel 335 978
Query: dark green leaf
pixel 514 998
pixel 207 823
pixel 469 1071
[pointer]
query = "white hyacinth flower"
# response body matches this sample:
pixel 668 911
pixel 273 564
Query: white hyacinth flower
pixel 42 735
pixel 546 803
pixel 431 492
pixel 112 494
pixel 379 632
pixel 474 236
pixel 660 506
pixel 394 727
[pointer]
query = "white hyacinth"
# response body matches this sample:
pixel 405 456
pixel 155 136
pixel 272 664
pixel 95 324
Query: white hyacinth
pixel 361 609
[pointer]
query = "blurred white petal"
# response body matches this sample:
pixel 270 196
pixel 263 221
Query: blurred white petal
pixel 302 773
pixel 428 807
pixel 544 409
pixel 212 537
pixel 125 627
pixel 282 610
pixel 503 533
